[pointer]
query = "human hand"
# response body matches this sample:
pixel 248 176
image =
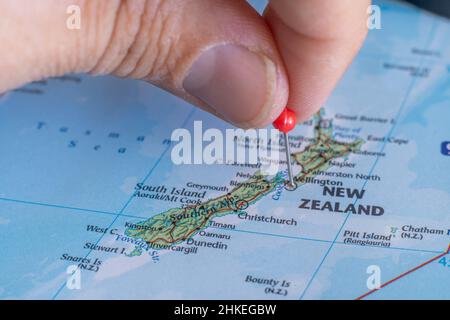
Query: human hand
pixel 220 55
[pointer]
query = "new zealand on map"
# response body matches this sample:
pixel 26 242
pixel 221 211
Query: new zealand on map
pixel 87 186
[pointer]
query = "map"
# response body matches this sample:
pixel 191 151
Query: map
pixel 92 207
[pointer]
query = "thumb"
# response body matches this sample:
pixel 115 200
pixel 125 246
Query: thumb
pixel 217 54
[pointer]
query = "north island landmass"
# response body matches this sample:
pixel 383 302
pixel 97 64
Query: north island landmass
pixel 177 225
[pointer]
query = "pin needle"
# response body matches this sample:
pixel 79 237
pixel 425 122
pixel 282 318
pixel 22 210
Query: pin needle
pixel 285 123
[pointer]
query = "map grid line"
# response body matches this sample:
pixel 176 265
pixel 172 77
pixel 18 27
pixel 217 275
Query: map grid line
pixel 405 99
pixel 85 210
pixel 390 132
pixel 190 114
pixel 406 273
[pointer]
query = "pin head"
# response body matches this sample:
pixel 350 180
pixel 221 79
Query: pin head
pixel 286 121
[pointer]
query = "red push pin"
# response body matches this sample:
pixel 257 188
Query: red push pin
pixel 285 123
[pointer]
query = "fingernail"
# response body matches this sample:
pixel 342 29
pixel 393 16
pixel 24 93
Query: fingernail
pixel 235 82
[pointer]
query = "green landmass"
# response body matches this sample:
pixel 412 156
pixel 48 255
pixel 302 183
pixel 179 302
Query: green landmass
pixel 179 224
pixel 137 251
pixel 317 156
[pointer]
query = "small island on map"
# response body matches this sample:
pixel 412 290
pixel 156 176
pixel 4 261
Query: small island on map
pixel 177 225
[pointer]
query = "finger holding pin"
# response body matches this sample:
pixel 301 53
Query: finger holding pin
pixel 285 123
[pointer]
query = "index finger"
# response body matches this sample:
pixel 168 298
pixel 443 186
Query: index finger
pixel 317 39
